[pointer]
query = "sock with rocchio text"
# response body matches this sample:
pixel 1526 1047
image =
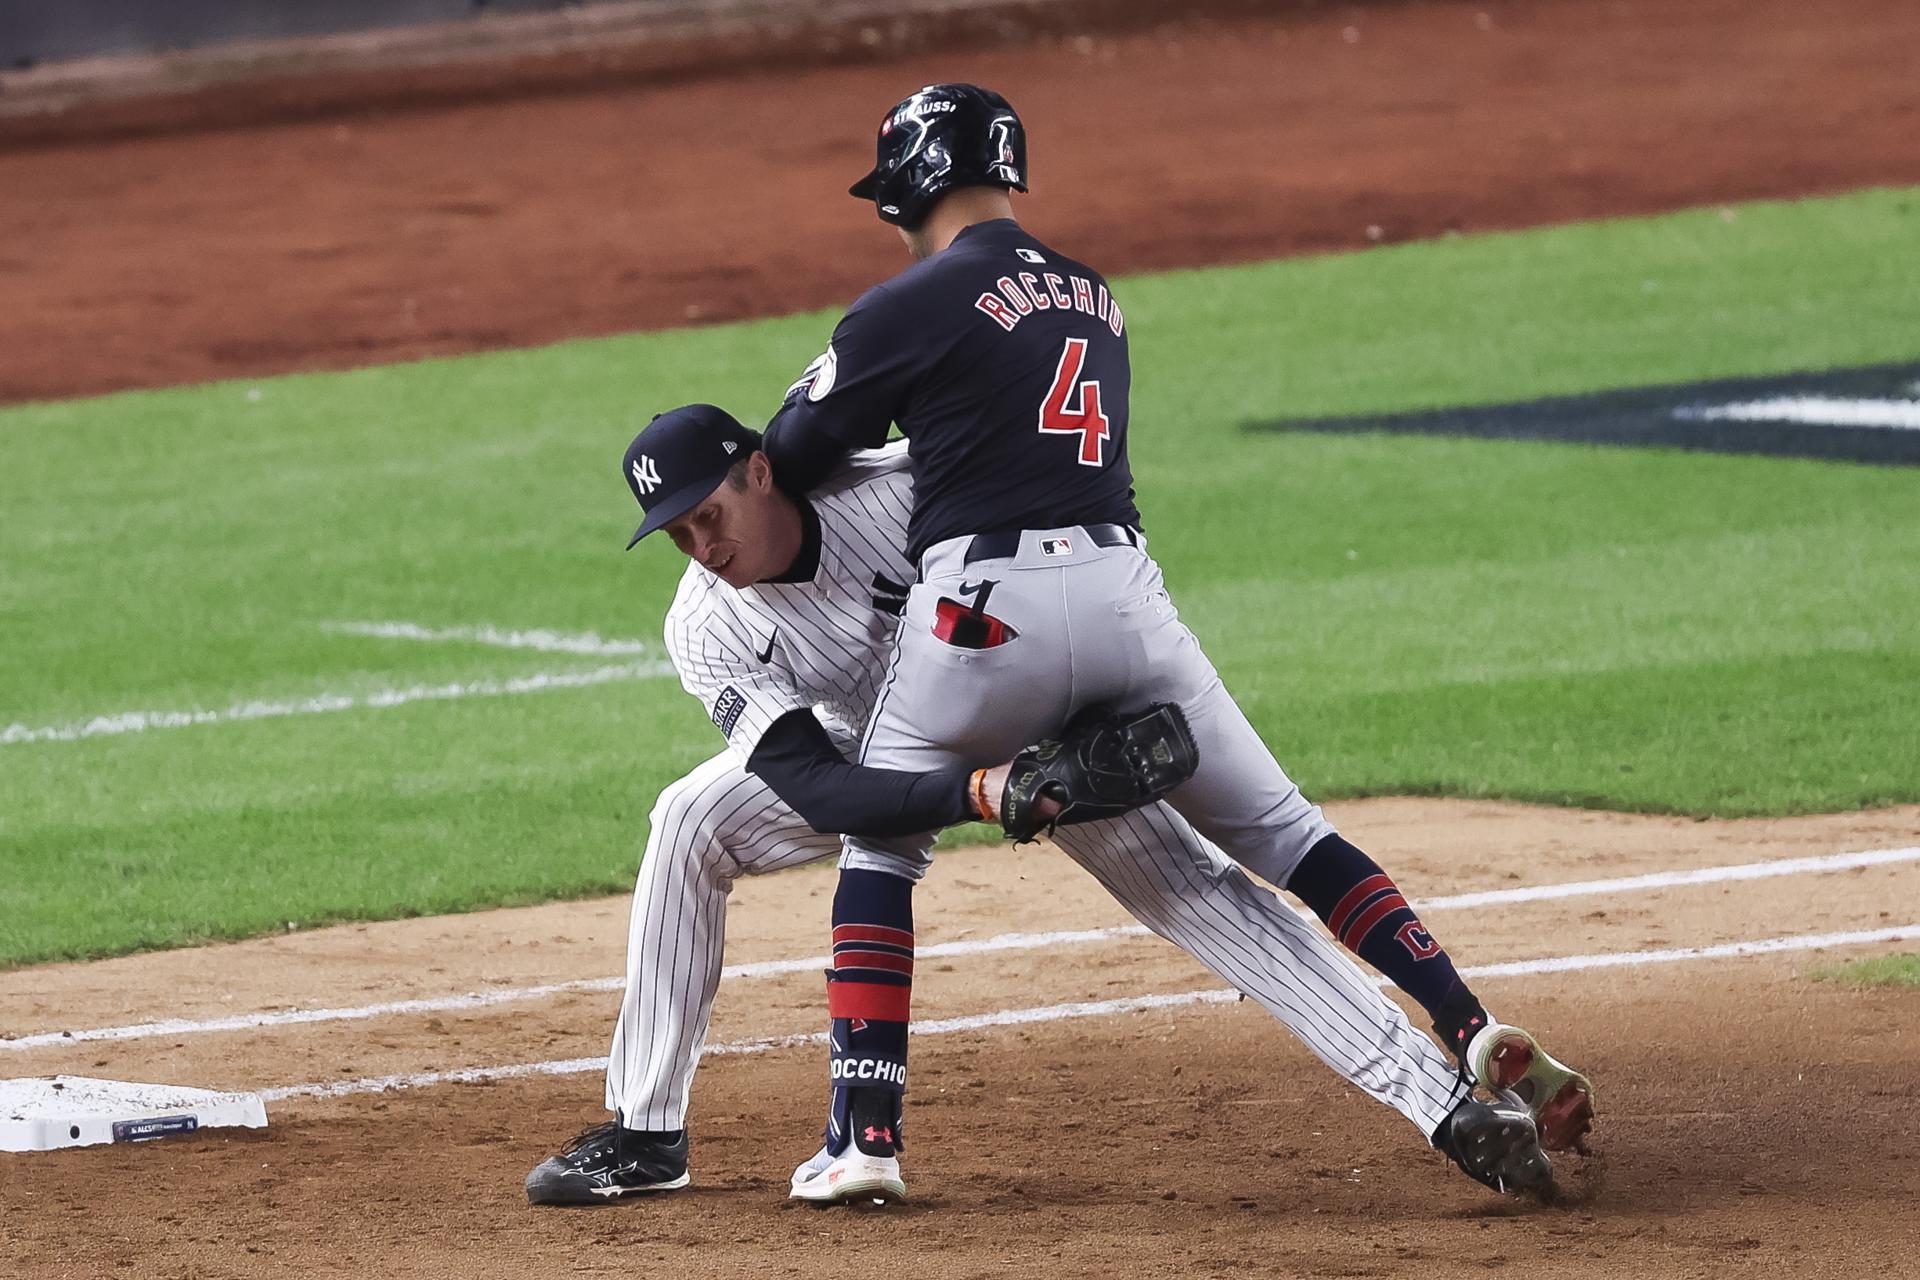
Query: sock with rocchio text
pixel 869 998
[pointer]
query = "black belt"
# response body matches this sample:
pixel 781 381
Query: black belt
pixel 1001 546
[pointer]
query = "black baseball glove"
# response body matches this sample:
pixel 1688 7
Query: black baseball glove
pixel 1104 764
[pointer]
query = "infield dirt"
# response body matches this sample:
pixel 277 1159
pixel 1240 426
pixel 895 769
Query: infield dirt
pixel 1750 1116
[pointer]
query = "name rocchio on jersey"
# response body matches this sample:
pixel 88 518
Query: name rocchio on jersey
pixel 1012 302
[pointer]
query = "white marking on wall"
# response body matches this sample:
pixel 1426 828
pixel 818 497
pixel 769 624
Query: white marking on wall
pixel 1105 1009
pixel 542 641
pixel 121 722
pixel 1819 411
pixel 979 946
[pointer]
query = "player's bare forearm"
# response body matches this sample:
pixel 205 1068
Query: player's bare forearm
pixel 990 784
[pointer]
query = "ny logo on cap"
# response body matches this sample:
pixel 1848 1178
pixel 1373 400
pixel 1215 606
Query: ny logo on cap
pixel 646 476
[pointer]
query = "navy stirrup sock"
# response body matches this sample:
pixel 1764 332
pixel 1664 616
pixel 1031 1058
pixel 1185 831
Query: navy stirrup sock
pixel 869 998
pixel 1363 908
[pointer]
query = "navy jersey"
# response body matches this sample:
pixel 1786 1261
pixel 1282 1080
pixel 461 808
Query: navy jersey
pixel 1005 366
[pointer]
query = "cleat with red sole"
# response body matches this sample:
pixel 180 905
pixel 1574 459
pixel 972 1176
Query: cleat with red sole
pixel 1559 1098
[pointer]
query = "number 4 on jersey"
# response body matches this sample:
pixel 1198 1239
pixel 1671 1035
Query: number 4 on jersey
pixel 1073 407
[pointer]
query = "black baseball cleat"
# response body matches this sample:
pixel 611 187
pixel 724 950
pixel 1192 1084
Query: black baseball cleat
pixel 1498 1145
pixel 607 1162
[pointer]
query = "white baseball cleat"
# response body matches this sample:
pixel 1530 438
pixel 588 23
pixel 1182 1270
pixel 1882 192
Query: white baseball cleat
pixel 1559 1098
pixel 851 1175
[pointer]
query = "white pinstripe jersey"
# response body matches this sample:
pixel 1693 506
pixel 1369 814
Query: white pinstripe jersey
pixel 828 641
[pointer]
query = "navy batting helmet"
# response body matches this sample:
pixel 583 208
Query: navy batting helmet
pixel 945 136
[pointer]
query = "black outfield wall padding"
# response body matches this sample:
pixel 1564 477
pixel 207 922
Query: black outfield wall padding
pixel 37 31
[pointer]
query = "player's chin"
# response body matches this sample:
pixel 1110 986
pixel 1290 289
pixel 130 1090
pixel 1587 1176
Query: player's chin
pixel 733 569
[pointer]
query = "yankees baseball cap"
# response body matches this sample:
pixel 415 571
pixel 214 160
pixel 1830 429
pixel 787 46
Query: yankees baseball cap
pixel 680 458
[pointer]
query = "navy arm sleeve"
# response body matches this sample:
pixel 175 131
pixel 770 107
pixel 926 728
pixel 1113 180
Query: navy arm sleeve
pixel 848 398
pixel 799 761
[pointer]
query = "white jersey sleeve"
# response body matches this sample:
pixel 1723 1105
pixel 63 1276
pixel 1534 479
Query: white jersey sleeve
pixel 712 648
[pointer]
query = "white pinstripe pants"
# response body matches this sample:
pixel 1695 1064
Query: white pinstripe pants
pixel 720 822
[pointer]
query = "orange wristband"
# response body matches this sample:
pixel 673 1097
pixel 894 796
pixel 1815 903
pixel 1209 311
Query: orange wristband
pixel 980 796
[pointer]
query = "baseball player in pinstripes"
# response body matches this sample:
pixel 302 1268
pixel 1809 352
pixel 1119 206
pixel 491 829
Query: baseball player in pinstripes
pixel 784 629
pixel 1005 364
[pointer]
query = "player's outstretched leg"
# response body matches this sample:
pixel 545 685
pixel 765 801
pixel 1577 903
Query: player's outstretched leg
pixel 1243 801
pixel 1362 907
pixel 1186 891
pixel 1248 806
pixel 869 999
pixel 716 823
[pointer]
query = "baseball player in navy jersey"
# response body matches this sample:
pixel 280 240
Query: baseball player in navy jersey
pixel 1004 363
pixel 784 628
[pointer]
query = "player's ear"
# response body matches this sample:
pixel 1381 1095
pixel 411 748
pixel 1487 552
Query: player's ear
pixel 759 472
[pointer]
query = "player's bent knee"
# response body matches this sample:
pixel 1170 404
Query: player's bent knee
pixel 687 828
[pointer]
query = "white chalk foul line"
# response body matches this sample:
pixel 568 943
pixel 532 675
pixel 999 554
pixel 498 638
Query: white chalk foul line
pixel 539 639
pixel 380 699
pixel 509 995
pixel 1766 870
pixel 999 942
pixel 1102 1009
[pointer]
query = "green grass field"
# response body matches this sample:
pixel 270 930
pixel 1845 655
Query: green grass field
pixel 1632 629
pixel 1877 971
